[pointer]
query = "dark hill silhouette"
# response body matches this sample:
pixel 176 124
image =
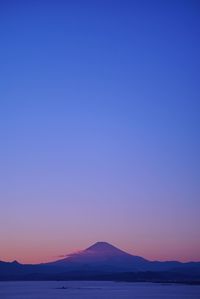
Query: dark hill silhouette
pixel 101 260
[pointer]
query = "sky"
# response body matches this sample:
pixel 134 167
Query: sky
pixel 99 128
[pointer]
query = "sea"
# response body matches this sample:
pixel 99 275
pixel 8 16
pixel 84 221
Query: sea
pixel 96 290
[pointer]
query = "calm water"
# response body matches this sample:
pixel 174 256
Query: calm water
pixel 95 290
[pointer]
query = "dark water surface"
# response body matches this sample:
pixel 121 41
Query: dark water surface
pixel 95 290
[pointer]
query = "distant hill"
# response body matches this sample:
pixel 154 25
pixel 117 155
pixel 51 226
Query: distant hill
pixel 102 261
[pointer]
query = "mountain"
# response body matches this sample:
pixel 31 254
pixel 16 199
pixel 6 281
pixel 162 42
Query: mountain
pixel 103 257
pixel 101 261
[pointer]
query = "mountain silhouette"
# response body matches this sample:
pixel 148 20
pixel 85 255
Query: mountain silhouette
pixel 104 257
pixel 102 261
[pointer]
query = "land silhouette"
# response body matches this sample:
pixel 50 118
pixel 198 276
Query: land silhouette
pixel 103 261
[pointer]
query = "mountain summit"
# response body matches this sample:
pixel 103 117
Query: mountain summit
pixel 101 246
pixel 104 248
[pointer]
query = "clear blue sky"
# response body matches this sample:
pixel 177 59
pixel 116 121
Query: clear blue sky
pixel 99 126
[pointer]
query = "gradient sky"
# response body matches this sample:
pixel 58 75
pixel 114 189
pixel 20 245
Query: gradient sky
pixel 99 126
